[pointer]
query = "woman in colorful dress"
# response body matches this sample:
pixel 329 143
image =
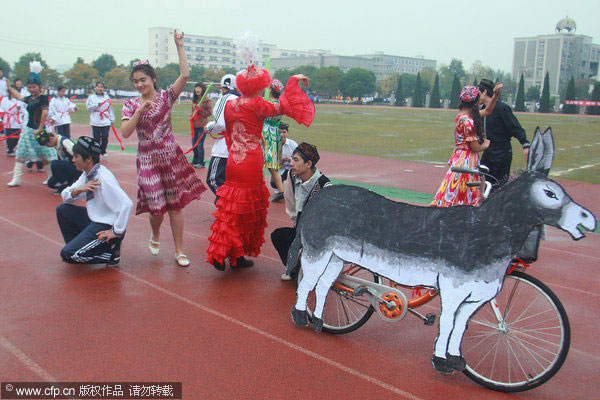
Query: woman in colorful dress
pixel 28 149
pixel 239 227
pixel 166 180
pixel 469 142
pixel 272 140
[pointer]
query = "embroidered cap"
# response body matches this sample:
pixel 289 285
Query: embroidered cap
pixel 469 94
pixel 141 62
pixel 43 137
pixel 283 125
pixel 277 86
pixel 310 151
pixel 88 144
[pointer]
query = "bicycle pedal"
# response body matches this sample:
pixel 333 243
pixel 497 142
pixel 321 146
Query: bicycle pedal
pixel 359 291
pixel 429 319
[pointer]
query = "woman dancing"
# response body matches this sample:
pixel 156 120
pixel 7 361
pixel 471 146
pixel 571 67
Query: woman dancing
pixel 166 180
pixel 241 214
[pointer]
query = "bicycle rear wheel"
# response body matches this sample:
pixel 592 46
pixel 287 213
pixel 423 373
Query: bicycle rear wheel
pixel 525 349
pixel 343 313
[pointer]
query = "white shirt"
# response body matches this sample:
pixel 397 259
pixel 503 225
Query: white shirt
pixel 24 92
pixel 101 108
pixel 14 113
pixel 3 87
pixel 217 126
pixel 286 150
pixel 295 198
pixel 109 205
pixel 59 110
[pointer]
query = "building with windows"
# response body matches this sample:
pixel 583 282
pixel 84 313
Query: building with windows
pixel 563 55
pixel 386 65
pixel 206 51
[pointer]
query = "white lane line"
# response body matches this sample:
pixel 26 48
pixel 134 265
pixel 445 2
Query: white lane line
pixel 31 364
pixel 566 171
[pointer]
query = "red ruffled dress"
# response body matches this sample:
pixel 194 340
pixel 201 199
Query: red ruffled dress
pixel 241 215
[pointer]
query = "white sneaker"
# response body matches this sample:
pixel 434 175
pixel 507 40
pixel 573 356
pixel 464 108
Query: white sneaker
pixel 285 277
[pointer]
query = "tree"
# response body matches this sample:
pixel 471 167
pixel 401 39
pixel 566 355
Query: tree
pixel 455 93
pixel 570 95
pixel 117 78
pixel 595 96
pixel 387 85
pixel 326 81
pixel 435 94
pixel 456 68
pixel 81 75
pixel 418 96
pixel 168 74
pixel 104 63
pixel 283 75
pixel 21 68
pixel 5 67
pixel 399 93
pixel 545 97
pixel 79 61
pixel 409 82
pixel 532 94
pixel 51 78
pixel 520 101
pixel 357 82
pixel 197 73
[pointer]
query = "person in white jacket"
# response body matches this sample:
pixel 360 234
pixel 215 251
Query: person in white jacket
pixel 93 235
pixel 59 112
pixel 14 117
pixel 102 115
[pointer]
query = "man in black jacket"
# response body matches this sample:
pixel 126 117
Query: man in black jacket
pixel 500 126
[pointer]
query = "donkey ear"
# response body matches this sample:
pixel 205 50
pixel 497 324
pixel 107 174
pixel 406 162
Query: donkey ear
pixel 541 152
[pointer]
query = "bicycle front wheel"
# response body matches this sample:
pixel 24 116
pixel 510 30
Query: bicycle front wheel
pixel 343 313
pixel 527 346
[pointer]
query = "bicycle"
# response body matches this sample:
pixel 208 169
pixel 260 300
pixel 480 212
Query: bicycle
pixel 515 342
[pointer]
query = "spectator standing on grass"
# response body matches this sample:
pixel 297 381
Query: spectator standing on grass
pixel 305 181
pixel 102 115
pixel 200 113
pixel 287 149
pixel 215 175
pixel 28 148
pixel 500 126
pixel 60 111
pixel 166 180
pixel 469 142
pixel 93 234
pixel 14 118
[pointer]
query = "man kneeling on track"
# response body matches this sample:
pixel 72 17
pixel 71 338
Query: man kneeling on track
pixel 93 235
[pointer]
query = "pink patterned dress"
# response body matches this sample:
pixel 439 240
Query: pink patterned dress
pixel 166 180
pixel 454 190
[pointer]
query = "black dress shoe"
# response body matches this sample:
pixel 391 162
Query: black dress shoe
pixel 300 317
pixel 456 362
pixel 218 265
pixel 115 257
pixel 317 324
pixel 241 262
pixel 277 198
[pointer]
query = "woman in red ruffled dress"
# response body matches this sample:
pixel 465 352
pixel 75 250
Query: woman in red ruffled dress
pixel 241 215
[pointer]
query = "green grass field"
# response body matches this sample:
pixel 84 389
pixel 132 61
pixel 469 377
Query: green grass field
pixel 425 135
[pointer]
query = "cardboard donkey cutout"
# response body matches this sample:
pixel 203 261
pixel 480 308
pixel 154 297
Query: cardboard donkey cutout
pixel 463 252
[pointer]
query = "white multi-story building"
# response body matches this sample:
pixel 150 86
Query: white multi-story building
pixel 385 65
pixel 206 51
pixel 563 55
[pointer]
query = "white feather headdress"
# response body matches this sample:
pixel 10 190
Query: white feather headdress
pixel 247 47
pixel 35 66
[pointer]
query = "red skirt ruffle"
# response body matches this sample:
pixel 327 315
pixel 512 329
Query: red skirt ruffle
pixel 241 218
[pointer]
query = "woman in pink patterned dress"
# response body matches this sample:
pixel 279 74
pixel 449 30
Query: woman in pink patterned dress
pixel 469 141
pixel 166 180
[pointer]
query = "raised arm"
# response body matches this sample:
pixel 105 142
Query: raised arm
pixel 13 92
pixel 184 69
pixel 490 107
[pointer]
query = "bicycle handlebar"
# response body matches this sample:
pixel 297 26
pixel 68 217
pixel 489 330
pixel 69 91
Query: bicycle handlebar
pixel 466 170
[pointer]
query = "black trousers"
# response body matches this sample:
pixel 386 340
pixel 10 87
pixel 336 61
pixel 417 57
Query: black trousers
pixel 64 130
pixel 215 176
pixel 199 149
pixel 101 136
pixel 282 239
pixel 11 143
pixel 499 167
pixel 283 178
pixel 82 244
pixel 64 174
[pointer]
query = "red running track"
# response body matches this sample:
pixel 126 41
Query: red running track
pixel 229 334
